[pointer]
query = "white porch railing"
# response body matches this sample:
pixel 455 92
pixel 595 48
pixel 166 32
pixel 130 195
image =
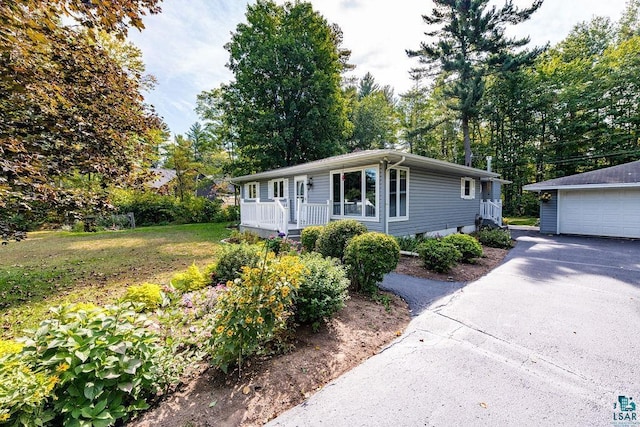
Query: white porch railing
pixel 491 209
pixel 313 214
pixel 266 215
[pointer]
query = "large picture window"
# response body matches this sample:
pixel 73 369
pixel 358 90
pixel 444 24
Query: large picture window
pixel 355 193
pixel 398 193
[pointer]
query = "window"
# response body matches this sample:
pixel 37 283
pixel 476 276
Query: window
pixel 278 188
pixel 398 193
pixel 355 193
pixel 468 188
pixel 251 190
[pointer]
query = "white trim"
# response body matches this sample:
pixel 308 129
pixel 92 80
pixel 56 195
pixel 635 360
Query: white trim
pixel 532 187
pixel 296 206
pixel 558 202
pixel 285 189
pixel 388 195
pixel 463 187
pixel 247 190
pixel 363 216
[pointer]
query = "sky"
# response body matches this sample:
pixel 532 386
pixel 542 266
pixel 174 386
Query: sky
pixel 183 47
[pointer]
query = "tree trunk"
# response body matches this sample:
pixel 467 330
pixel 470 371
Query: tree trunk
pixel 467 140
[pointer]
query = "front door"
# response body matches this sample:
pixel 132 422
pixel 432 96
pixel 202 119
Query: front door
pixel 301 193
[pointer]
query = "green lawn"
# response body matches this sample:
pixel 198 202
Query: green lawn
pixel 520 220
pixel 54 267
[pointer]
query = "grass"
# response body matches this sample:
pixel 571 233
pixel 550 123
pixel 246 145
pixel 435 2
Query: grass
pixel 520 220
pixel 55 267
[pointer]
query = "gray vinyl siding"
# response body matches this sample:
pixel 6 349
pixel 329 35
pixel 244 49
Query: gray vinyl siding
pixel 435 204
pixel 549 214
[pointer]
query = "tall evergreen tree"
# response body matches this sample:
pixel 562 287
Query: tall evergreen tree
pixel 285 104
pixel 470 45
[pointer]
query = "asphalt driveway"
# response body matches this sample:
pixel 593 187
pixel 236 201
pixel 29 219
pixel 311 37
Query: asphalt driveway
pixel 550 337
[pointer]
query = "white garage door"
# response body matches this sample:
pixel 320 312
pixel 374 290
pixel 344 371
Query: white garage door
pixel 601 212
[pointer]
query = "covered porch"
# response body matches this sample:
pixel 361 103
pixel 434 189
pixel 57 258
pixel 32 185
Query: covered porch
pixel 266 218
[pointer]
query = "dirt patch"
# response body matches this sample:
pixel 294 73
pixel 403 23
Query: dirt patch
pixel 413 266
pixel 268 387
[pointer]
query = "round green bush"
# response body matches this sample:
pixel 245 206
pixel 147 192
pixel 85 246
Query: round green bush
pixel 232 259
pixel 323 290
pixel 309 237
pixel 190 280
pixel 369 257
pixel 147 295
pixel 336 235
pixel 468 246
pixel 495 238
pixel 438 255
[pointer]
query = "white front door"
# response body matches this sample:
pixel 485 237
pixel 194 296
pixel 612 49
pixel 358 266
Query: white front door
pixel 301 193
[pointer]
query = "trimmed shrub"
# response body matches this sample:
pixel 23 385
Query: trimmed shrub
pixel 309 237
pixel 100 365
pixel 190 280
pixel 335 236
pixel 147 296
pixel 369 257
pixel 231 260
pixel 495 238
pixel 323 289
pixel 468 246
pixel 438 255
pixel 254 309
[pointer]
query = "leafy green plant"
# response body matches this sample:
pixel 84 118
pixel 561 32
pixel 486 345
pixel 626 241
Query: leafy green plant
pixel 231 260
pixel 438 255
pixel 254 309
pixel 369 257
pixel 409 243
pixel 243 237
pixel 107 362
pixel 190 280
pixel 323 289
pixel 468 246
pixel 147 296
pixel 495 238
pixel 309 237
pixel 335 236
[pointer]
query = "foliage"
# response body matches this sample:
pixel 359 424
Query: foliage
pixel 323 289
pixel 243 237
pixel 230 261
pixel 309 237
pixel 438 255
pixel 72 117
pixel 103 363
pixel 521 221
pixel 468 246
pixel 295 112
pixel 190 280
pixel 229 214
pixel 336 235
pixel 150 208
pixel 409 243
pixel 495 238
pixel 470 45
pixel 147 296
pixel 369 257
pixel 254 309
pixel 280 244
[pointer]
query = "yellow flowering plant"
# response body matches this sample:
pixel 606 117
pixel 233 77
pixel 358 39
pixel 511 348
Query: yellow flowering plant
pixel 254 308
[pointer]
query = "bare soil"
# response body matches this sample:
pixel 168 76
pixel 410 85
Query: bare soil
pixel 267 387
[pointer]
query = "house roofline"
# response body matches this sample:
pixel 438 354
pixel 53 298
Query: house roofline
pixel 358 157
pixel 543 187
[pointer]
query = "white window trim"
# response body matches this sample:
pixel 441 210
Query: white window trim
pixel 362 217
pixel 388 187
pixel 472 188
pixel 285 189
pixel 246 190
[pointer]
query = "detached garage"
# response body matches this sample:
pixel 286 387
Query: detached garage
pixel 605 202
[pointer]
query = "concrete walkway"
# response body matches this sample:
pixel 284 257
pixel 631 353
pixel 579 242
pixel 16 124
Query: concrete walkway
pixel 550 337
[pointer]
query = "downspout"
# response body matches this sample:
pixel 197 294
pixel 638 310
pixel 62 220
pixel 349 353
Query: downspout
pixel 386 191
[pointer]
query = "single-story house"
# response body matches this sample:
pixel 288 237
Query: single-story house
pixel 604 202
pixel 387 190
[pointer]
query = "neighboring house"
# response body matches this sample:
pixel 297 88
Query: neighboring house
pixel 604 202
pixel 162 180
pixel 388 191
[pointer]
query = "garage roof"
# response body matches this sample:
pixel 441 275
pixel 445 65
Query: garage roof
pixel 625 175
